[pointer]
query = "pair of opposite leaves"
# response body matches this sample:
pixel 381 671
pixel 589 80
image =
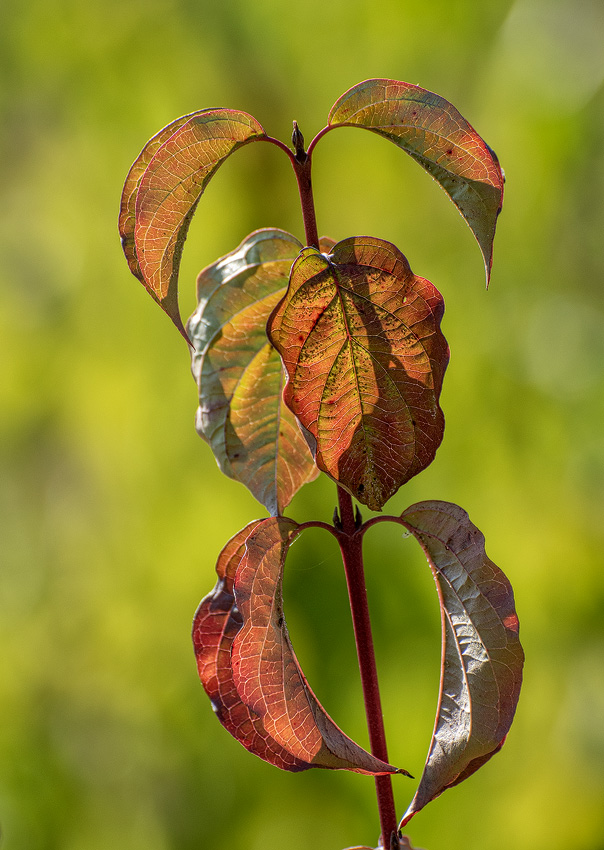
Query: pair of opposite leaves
pixel 250 672
pixel 357 331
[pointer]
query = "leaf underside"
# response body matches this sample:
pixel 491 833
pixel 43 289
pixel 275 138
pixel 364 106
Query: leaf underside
pixel 216 623
pixel 162 191
pixel 248 667
pixel 360 338
pixel 482 660
pixel 432 131
pixel 241 412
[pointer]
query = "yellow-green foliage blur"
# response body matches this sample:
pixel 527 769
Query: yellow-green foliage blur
pixel 112 509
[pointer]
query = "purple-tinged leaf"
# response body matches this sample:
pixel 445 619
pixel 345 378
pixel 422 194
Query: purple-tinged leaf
pixel 482 659
pixel 241 412
pixel 216 623
pixel 165 196
pixel 432 131
pixel 359 335
pixel 266 672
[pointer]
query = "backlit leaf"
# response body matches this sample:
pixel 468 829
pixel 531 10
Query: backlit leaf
pixel 241 413
pixel 359 335
pixel 434 133
pixel 266 672
pixel 165 196
pixel 216 623
pixel 482 658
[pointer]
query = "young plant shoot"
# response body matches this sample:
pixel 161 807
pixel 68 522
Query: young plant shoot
pixel 313 357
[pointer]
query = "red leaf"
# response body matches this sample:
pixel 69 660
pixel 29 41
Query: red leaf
pixel 482 658
pixel 359 335
pixel 433 132
pixel 163 199
pixel 266 672
pixel 216 623
pixel 241 412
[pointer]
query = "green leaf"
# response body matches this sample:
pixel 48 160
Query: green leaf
pixel 482 659
pixel 434 133
pixel 266 672
pixel 359 335
pixel 159 203
pixel 216 623
pixel 241 413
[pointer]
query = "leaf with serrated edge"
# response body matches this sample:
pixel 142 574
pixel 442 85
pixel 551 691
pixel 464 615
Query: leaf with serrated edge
pixel 241 412
pixel 216 623
pixel 169 190
pixel 266 672
pixel 359 335
pixel 432 131
pixel 481 671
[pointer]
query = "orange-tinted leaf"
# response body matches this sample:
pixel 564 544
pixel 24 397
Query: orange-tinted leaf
pixel 165 196
pixel 241 413
pixel 359 335
pixel 482 658
pixel 266 671
pixel 433 132
pixel 127 219
pixel 216 623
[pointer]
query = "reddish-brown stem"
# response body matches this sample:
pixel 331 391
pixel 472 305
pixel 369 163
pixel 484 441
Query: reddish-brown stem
pixel 351 542
pixel 350 539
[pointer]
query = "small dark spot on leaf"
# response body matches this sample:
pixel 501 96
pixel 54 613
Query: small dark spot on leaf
pixel 361 488
pixel 449 152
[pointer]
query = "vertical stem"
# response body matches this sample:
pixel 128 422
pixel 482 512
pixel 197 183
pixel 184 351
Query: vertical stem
pixel 352 555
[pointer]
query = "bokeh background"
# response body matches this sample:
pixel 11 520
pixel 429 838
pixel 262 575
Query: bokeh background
pixel 112 509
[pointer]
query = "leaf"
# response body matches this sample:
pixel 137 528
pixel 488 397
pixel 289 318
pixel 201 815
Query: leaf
pixel 482 658
pixel 167 193
pixel 266 672
pixel 359 335
pixel 241 412
pixel 216 623
pixel 433 132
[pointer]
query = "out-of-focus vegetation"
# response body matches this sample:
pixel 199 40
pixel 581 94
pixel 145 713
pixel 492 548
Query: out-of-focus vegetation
pixel 112 510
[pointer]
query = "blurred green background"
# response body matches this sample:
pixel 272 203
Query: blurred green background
pixel 112 509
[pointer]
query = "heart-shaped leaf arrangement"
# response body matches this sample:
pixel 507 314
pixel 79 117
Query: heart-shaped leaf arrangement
pixel 322 356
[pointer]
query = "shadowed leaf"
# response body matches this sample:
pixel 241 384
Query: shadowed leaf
pixel 360 338
pixel 241 413
pixel 434 133
pixel 266 671
pixel 482 658
pixel 164 197
pixel 216 623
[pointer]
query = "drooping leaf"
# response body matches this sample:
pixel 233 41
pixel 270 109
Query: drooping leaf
pixel 266 672
pixel 216 623
pixel 165 196
pixel 482 660
pixel 433 132
pixel 359 335
pixel 241 412
pixel 127 219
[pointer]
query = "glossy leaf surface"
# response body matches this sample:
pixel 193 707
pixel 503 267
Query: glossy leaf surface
pixel 482 659
pixel 266 672
pixel 241 412
pixel 165 196
pixel 432 131
pixel 360 338
pixel 216 623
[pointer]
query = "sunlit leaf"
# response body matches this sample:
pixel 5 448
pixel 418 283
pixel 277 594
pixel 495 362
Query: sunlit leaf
pixel 216 623
pixel 266 671
pixel 165 196
pixel 127 219
pixel 241 413
pixel 482 658
pixel 434 133
pixel 360 338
